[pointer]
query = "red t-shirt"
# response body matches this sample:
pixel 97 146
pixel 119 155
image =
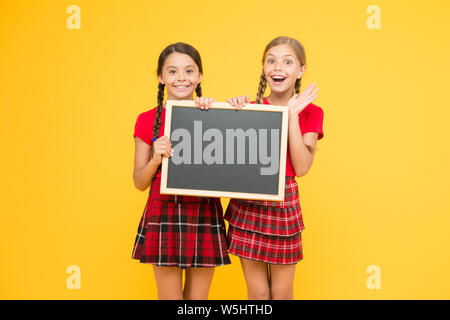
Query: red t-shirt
pixel 311 120
pixel 144 127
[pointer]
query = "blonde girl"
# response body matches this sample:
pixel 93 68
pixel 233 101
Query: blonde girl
pixel 266 235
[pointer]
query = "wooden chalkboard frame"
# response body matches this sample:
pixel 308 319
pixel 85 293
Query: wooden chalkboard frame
pixel 228 194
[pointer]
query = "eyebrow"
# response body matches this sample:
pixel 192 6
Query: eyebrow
pixel 286 55
pixel 191 65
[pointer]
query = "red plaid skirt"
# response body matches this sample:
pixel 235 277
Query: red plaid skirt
pixel 182 231
pixel 268 231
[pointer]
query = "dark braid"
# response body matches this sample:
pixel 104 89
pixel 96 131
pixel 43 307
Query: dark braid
pixel 261 88
pixel 198 90
pixel 159 109
pixel 297 86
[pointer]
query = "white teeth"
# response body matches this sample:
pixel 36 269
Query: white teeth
pixel 278 77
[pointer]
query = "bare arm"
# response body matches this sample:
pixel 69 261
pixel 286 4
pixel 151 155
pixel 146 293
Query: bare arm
pixel 301 148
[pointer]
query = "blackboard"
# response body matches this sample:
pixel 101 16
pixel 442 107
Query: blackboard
pixel 226 152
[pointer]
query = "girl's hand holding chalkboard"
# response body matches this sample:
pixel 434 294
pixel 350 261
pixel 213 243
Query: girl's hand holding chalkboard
pixel 162 147
pixel 204 102
pixel 239 101
pixel 299 101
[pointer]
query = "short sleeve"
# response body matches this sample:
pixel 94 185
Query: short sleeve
pixel 143 128
pixel 314 121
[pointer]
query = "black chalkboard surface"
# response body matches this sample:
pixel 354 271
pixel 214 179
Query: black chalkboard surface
pixel 226 152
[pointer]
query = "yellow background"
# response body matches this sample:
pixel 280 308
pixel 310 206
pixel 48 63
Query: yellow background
pixel 377 193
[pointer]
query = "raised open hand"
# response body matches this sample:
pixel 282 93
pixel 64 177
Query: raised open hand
pixel 299 101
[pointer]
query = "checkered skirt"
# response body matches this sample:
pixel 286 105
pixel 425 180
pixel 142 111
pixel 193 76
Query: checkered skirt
pixel 182 231
pixel 268 231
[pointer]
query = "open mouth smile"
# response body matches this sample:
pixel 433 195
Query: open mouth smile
pixel 278 78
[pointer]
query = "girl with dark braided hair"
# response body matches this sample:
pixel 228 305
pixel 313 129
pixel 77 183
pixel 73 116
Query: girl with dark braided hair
pixel 266 235
pixel 175 233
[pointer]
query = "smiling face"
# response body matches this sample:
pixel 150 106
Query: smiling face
pixel 180 74
pixel 282 68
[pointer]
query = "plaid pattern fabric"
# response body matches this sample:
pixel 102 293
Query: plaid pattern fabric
pixel 272 218
pixel 260 247
pixel 183 231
